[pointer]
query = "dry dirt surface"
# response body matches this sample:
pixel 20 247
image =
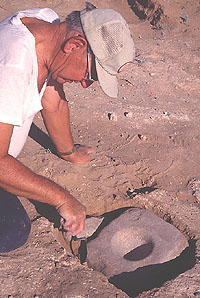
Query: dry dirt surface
pixel 147 144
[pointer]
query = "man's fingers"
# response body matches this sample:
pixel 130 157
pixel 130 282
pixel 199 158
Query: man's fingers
pixel 82 154
pixel 74 227
pixel 73 216
pixel 84 148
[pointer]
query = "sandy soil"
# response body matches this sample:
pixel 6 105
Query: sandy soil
pixel 147 154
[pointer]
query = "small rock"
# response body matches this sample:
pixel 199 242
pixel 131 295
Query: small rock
pixel 165 113
pixel 112 116
pixel 184 19
pixel 142 137
pixel 128 114
pixel 152 74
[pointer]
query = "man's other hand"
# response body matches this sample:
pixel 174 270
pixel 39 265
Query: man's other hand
pixel 82 154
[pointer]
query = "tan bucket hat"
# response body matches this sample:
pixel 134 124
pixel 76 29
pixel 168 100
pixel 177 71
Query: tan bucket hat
pixel 110 40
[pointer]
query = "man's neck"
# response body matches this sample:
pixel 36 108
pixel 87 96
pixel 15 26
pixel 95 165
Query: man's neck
pixel 48 42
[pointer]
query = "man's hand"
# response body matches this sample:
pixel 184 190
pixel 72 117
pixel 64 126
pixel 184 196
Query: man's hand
pixel 73 215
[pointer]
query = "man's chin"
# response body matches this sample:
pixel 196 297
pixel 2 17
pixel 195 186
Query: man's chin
pixel 60 80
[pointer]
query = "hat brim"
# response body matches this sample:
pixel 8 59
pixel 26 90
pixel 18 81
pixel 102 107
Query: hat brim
pixel 107 81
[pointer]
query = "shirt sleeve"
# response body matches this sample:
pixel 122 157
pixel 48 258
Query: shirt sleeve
pixel 14 84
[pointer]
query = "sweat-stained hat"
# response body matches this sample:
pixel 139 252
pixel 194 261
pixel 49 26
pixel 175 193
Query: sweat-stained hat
pixel 109 38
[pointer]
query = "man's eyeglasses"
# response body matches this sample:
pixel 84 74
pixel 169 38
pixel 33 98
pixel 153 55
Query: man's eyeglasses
pixel 92 73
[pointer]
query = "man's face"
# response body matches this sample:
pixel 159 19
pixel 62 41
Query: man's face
pixel 74 67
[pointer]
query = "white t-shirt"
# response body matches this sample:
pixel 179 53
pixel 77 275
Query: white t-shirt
pixel 19 96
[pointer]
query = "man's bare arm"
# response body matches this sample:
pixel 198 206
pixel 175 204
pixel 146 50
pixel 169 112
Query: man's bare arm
pixel 18 179
pixel 57 121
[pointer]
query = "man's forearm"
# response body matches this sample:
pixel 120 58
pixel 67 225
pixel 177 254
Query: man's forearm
pixel 58 126
pixel 18 179
pixel 57 123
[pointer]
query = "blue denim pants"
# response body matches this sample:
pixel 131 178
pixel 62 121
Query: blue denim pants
pixel 15 224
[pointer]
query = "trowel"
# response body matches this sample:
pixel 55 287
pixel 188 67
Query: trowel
pixel 78 245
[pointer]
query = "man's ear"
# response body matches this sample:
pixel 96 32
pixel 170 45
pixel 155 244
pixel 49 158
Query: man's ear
pixel 74 43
